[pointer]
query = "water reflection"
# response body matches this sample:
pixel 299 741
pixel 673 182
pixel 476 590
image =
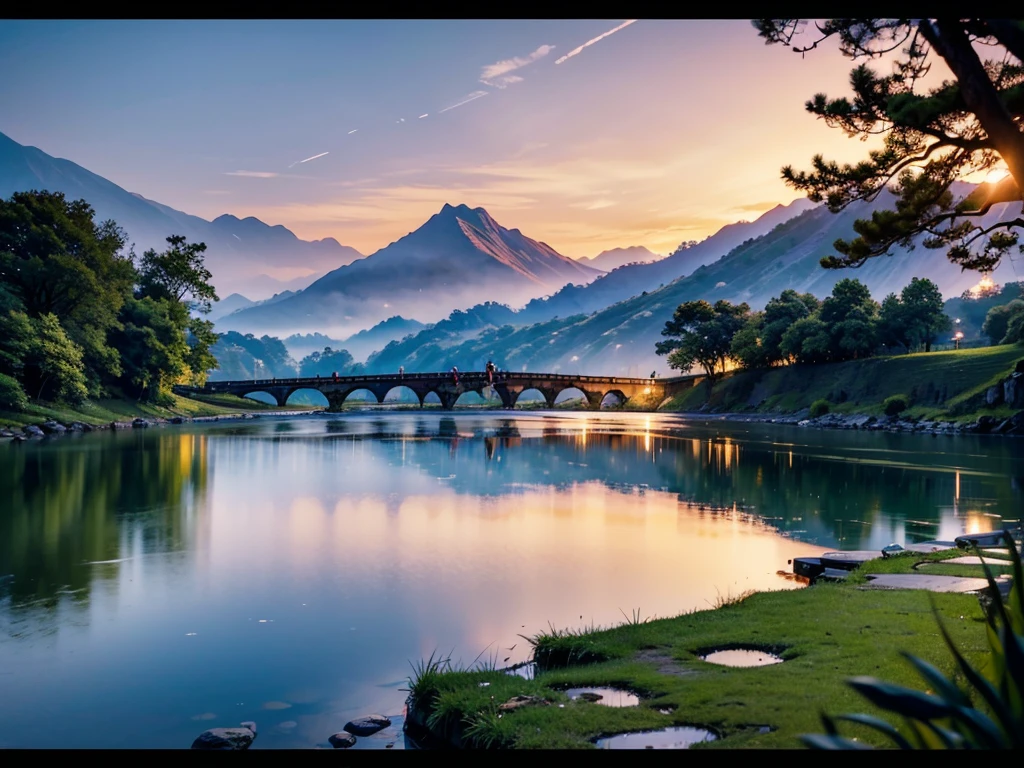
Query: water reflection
pixel 306 561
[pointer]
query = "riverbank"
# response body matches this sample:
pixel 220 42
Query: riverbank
pixel 968 390
pixel 819 637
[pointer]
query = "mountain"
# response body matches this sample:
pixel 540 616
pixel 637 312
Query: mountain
pixel 618 257
pixel 619 339
pixel 362 344
pixel 458 258
pixel 242 254
pixel 229 304
pixel 634 279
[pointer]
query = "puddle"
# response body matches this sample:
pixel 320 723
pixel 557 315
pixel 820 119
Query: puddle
pixel 681 737
pixel 742 657
pixel 609 697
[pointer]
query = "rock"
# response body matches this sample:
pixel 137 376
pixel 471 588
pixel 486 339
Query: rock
pixel 994 395
pixel 76 426
pixel 19 438
pixel 140 424
pixel 342 740
pixel 591 697
pixel 224 738
pixel 521 701
pixel 33 431
pixel 367 726
pixel 119 425
pixel 177 420
pixel 251 726
pixel 1004 426
pixel 53 428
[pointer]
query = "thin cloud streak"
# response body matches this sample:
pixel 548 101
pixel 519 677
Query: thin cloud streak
pixel 472 97
pixel 352 131
pixel 597 39
pixel 253 174
pixel 314 157
pixel 497 75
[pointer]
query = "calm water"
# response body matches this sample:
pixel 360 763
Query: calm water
pixel 155 583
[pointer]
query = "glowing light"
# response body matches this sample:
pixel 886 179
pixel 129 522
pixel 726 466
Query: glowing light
pixel 996 175
pixel 985 287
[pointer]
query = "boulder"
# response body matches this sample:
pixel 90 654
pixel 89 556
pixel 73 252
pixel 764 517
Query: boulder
pixel 119 425
pixel 177 420
pixel 367 726
pixel 53 428
pixel 994 396
pixel 33 431
pixel 1013 390
pixel 224 739
pixel 342 740
pixel 140 424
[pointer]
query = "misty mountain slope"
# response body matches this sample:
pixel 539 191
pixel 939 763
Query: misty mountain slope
pixel 240 252
pixel 634 279
pixel 618 257
pixel 459 258
pixel 620 339
pixel 364 343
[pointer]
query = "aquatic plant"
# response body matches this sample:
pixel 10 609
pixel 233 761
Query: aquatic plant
pixel 946 717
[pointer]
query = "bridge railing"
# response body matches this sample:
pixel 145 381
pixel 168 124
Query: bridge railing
pixel 474 376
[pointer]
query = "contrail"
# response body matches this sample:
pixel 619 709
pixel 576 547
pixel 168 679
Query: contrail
pixel 314 157
pixel 471 97
pixel 573 52
pixel 352 131
pixel 425 114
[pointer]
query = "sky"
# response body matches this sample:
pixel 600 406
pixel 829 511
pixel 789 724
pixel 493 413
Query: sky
pixel 659 132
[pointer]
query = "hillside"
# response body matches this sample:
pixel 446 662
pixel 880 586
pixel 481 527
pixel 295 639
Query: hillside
pixel 460 257
pixel 620 339
pixel 246 256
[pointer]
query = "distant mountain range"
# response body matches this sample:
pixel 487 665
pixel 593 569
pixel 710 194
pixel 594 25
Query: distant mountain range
pixel 619 338
pixel 459 257
pixel 359 345
pixel 617 257
pixel 241 253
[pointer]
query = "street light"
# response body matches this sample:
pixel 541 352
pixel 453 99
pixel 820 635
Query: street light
pixel 956 337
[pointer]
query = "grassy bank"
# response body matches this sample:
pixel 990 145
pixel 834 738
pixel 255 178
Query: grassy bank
pixel 104 411
pixel 947 385
pixel 826 634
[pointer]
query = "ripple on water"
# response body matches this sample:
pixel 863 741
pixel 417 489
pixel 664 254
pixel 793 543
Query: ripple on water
pixel 609 697
pixel 742 657
pixel 678 737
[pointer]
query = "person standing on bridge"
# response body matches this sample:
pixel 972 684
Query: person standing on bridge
pixel 455 374
pixel 335 375
pixel 401 371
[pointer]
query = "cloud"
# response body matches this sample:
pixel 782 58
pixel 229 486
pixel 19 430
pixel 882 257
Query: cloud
pixel 497 74
pixel 425 114
pixel 471 97
pixel 352 131
pixel 314 157
pixel 253 174
pixel 573 52
pixel 757 207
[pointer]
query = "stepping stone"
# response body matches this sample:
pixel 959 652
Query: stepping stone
pixel 931 546
pixel 971 560
pixel 923 581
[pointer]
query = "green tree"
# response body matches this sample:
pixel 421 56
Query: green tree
pixel 177 273
pixel 153 347
pixel 997 321
pixel 748 346
pixel 807 341
pixel 916 317
pixel 701 334
pixel 327 362
pixel 850 314
pixel 968 124
pixel 53 367
pixel 55 259
pixel 200 360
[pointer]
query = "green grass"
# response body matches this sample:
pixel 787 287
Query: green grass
pixel 104 411
pixel 825 633
pixel 946 385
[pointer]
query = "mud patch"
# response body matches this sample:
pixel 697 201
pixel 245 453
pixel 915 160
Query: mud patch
pixel 663 662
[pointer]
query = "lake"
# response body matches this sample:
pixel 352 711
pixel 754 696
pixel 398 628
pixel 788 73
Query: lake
pixel 158 582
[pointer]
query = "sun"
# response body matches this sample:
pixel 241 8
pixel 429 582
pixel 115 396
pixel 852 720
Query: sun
pixel 996 175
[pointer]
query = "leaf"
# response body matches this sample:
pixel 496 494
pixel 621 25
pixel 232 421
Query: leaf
pixel 945 687
pixel 879 725
pixel 986 733
pixel 899 700
pixel 818 741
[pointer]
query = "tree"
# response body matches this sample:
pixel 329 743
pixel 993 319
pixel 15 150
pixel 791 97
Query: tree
pixel 55 259
pixel 327 362
pixel 200 360
pixel 850 316
pixel 153 347
pixel 997 321
pixel 701 334
pixel 916 317
pixel 53 363
pixel 931 137
pixel 748 346
pixel 807 341
pixel 178 272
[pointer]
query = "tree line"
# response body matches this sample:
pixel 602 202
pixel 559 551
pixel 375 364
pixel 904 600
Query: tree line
pixel 798 328
pixel 82 317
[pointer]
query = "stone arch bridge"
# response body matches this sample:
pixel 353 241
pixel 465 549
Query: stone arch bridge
pixel 505 384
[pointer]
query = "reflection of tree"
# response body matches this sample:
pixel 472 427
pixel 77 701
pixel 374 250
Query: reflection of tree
pixel 69 504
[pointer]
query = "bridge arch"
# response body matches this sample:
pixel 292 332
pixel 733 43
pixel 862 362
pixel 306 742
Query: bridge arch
pixel 618 398
pixel 261 396
pixel 431 398
pixel 306 396
pixel 400 393
pixel 569 393
pixel 356 395
pixel 532 395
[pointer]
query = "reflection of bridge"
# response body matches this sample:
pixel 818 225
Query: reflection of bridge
pixel 506 385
